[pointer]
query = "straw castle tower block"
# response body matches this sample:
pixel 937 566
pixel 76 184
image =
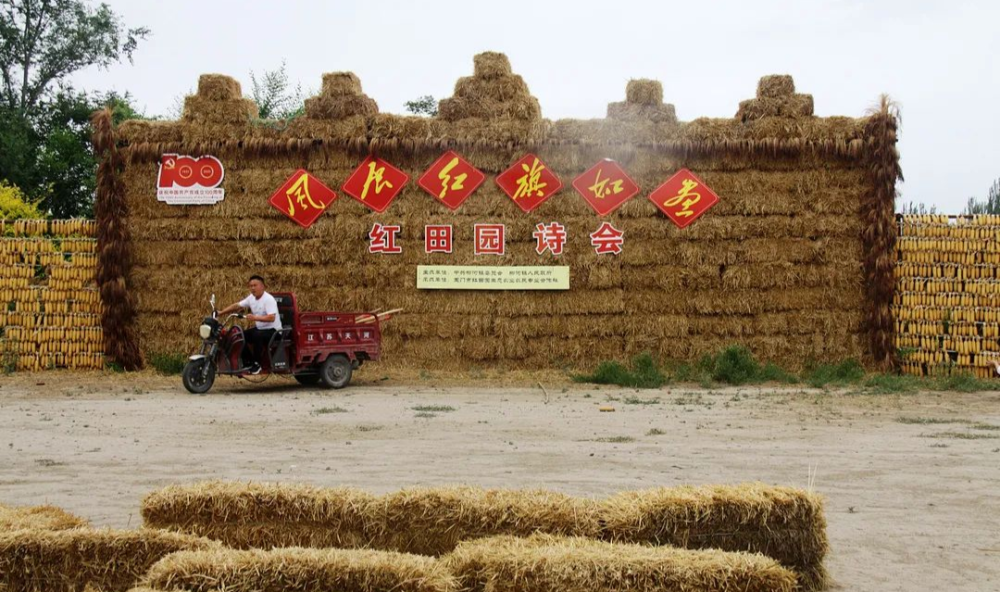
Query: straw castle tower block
pixel 340 98
pixel 776 97
pixel 493 91
pixel 219 102
pixel 643 101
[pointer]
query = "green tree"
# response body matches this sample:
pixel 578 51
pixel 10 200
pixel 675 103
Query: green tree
pixel 274 95
pixel 425 105
pixel 910 208
pixel 44 124
pixel 44 41
pixel 991 205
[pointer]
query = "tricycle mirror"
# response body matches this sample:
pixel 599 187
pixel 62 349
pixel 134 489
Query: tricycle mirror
pixel 212 301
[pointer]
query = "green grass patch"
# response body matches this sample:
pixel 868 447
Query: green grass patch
pixel 434 408
pixel 425 414
pixel 963 436
pixel 844 373
pixel 326 410
pixel 929 420
pixel 985 426
pixel 616 440
pixel 168 364
pixel 656 432
pixel 736 365
pixel 964 383
pixel 641 401
pixel 644 373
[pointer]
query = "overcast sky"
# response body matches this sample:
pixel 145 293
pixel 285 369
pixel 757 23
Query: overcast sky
pixel 938 60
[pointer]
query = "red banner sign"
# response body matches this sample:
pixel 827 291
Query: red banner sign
pixel 529 182
pixel 188 180
pixel 375 183
pixel 302 198
pixel 683 198
pixel 451 180
pixel 605 187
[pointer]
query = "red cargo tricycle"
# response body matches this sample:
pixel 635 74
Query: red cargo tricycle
pixel 313 347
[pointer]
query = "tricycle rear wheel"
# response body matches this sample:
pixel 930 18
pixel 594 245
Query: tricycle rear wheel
pixel 336 371
pixel 307 379
pixel 197 378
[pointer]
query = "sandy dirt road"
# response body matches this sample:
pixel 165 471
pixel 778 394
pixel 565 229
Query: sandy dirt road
pixel 912 481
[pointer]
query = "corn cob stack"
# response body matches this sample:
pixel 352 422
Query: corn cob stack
pixel 947 303
pixel 50 310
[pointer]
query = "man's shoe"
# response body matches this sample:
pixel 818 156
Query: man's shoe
pixel 255 369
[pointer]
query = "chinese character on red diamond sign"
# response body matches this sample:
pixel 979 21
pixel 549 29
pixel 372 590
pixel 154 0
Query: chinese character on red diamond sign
pixel 683 198
pixel 382 239
pixel 302 198
pixel 451 179
pixel 529 182
pixel 437 238
pixel 550 237
pixel 605 187
pixel 490 239
pixel 607 239
pixel 375 183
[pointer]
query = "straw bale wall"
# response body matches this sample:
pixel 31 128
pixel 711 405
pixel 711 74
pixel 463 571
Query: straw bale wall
pixel 779 264
pixel 41 560
pixel 51 310
pixel 947 305
pixel 787 525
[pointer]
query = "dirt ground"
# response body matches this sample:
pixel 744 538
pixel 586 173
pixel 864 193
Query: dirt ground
pixel 912 481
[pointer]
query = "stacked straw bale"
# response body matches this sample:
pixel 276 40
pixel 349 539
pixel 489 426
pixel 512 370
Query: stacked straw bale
pixel 947 305
pixel 785 524
pixel 776 97
pixel 544 562
pixel 37 560
pixel 263 516
pixel 298 569
pixel 38 517
pixel 784 245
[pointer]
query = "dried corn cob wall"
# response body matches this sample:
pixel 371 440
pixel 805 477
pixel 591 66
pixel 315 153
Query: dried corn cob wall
pixel 49 304
pixel 947 304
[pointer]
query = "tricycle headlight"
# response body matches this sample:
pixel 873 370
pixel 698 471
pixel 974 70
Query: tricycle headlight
pixel 205 331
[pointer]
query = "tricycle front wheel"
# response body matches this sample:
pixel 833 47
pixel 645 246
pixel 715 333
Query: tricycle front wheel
pixel 336 371
pixel 198 378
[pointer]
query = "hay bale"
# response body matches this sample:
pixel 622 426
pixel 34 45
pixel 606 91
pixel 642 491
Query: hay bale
pixel 69 560
pixel 432 521
pixel 299 569
pixel 200 110
pixel 524 108
pixel 775 86
pixel 782 523
pixel 798 105
pixel 643 91
pixel 218 87
pixel 339 84
pixel 340 106
pixel 543 562
pixel 662 113
pixel 489 65
pixel 40 517
pixel 260 515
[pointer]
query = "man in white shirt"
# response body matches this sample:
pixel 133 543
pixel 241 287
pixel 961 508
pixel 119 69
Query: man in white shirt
pixel 264 312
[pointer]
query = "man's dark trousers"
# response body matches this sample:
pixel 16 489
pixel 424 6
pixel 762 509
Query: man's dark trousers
pixel 258 339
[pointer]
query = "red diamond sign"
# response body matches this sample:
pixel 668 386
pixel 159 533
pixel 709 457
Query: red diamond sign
pixel 529 182
pixel 302 198
pixel 375 183
pixel 683 198
pixel 451 180
pixel 605 187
